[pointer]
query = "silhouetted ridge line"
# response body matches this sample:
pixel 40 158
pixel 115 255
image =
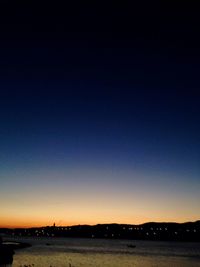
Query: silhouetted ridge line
pixel 171 231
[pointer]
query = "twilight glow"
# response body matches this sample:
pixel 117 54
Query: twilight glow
pixel 88 157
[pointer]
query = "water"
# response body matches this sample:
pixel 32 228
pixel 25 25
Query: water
pixel 77 252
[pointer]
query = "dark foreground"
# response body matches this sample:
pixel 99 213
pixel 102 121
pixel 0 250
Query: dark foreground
pixel 7 250
pixel 84 252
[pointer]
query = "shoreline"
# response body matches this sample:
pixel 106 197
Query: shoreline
pixel 15 245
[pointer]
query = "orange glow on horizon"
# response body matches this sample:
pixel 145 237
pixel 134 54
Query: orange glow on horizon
pixel 27 224
pixel 101 202
pixel 38 223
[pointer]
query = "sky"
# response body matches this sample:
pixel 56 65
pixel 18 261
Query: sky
pixel 99 114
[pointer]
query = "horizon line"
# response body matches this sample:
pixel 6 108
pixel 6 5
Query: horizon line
pixel 54 225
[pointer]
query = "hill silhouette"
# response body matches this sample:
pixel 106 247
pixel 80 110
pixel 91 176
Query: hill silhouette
pixel 169 231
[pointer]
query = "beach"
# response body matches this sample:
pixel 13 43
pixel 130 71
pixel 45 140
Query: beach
pixel 69 252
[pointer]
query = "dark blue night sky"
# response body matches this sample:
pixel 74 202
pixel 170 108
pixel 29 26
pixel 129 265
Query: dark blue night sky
pixel 99 115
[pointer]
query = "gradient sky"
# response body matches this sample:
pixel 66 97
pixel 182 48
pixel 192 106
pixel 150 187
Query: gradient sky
pixel 99 119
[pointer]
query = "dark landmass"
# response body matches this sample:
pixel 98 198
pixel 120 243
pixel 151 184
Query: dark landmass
pixel 189 231
pixel 7 250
